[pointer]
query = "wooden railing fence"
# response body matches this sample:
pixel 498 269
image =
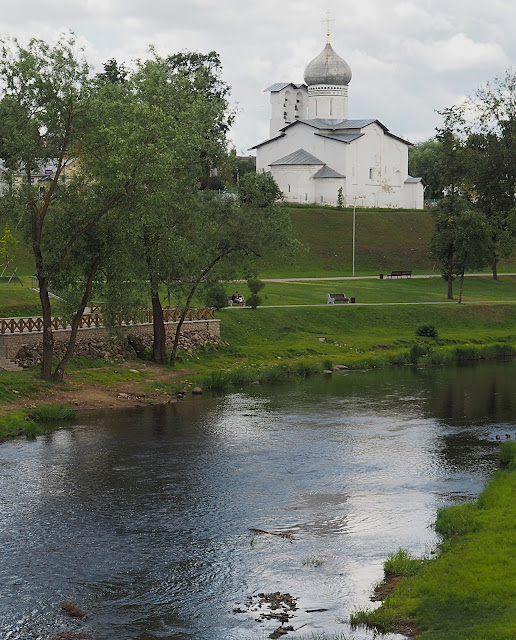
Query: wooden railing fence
pixel 22 325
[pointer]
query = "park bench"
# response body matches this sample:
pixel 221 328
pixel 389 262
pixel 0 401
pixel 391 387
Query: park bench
pixel 399 274
pixel 332 298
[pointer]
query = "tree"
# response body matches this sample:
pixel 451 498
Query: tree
pixel 185 120
pixel 43 107
pixel 492 165
pixel 56 113
pixel 230 238
pixel 451 166
pixel 471 244
pixel 425 160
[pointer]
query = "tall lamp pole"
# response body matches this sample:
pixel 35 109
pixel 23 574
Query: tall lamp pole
pixel 355 198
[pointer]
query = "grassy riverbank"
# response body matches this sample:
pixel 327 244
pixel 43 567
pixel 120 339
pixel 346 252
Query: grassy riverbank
pixel 272 343
pixel 468 592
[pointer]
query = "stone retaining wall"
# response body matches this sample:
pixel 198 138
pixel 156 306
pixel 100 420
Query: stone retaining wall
pixel 10 344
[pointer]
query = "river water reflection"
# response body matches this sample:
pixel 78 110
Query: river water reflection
pixel 142 517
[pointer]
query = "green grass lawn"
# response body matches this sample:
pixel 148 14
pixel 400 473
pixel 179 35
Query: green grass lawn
pixel 17 301
pixel 387 290
pixel 21 301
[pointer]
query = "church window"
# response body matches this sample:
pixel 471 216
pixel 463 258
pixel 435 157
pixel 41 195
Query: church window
pixel 289 188
pixel 306 196
pixel 371 173
pixel 331 107
pixel 322 199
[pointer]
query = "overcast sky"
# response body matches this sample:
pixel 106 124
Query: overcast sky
pixel 408 58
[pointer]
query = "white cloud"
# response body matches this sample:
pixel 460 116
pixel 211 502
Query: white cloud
pixel 408 57
pixel 456 53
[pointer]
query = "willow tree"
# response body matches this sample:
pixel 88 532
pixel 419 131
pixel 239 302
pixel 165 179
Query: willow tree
pixel 44 107
pixel 55 114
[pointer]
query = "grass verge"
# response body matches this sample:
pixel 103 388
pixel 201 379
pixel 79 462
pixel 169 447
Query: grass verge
pixel 468 591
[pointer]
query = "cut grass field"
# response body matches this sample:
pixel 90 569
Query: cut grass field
pixel 18 301
pixel 374 290
pixel 468 591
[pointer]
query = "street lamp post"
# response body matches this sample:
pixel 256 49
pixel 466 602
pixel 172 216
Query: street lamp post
pixel 355 198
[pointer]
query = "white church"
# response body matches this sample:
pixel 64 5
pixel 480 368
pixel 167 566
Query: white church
pixel 314 150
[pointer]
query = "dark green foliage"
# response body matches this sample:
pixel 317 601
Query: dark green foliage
pixel 426 330
pixel 259 190
pixel 255 285
pixel 425 161
pixel 417 351
pixel 216 296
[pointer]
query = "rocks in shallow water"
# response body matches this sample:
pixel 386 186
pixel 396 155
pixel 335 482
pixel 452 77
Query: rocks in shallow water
pixel 327 371
pixel 340 367
pixel 272 606
pixel 197 391
pixel 72 611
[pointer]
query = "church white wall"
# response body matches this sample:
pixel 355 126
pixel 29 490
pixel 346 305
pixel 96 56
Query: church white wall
pixel 296 182
pixel 375 167
pixel 327 191
pixel 287 105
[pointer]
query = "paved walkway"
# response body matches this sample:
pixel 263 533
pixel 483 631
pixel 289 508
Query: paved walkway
pixel 332 278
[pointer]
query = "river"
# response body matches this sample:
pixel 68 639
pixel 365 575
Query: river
pixel 142 517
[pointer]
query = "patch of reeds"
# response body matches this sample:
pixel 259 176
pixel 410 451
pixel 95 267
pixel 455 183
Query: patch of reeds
pixel 51 412
pixel 313 561
pixel 17 423
pixel 507 454
pixel 402 563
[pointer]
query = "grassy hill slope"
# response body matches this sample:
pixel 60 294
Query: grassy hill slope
pixel 385 240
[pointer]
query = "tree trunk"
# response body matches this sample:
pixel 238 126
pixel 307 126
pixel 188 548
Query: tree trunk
pixel 48 336
pixel 495 268
pixel 461 285
pixel 450 285
pixel 159 354
pixel 60 369
pixel 180 324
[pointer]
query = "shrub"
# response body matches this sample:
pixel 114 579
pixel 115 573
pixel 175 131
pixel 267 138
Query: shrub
pixel 426 331
pixel 418 351
pixel 255 286
pixel 216 296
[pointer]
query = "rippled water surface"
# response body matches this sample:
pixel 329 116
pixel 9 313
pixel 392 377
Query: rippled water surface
pixel 142 517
